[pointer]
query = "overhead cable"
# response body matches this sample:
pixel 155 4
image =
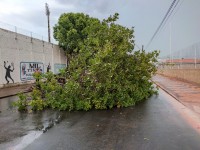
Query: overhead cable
pixel 171 13
pixel 163 20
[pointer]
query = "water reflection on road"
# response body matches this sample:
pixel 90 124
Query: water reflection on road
pixel 15 124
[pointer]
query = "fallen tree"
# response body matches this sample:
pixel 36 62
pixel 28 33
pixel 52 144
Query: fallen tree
pixel 103 72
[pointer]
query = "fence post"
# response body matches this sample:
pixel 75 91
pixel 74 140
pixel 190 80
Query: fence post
pixel 15 33
pixel 31 37
pixel 1 68
pixel 195 60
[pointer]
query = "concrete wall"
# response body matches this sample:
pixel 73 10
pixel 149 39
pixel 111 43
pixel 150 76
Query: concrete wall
pixel 192 75
pixel 180 66
pixel 16 48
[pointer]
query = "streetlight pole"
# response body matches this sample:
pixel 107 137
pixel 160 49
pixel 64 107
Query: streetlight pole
pixel 195 59
pixel 170 42
pixel 48 14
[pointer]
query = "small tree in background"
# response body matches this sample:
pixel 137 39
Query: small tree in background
pixel 71 32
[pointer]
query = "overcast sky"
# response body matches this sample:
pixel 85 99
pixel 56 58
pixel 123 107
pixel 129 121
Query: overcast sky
pixel 144 15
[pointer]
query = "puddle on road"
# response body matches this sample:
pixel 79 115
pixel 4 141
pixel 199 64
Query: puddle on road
pixel 14 124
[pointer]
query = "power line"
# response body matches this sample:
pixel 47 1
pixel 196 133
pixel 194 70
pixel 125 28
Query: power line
pixel 168 11
pixel 178 8
pixel 172 12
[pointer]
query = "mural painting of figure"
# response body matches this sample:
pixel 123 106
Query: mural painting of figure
pixel 8 70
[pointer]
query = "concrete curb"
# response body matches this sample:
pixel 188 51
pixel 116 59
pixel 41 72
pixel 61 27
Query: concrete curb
pixel 26 91
pixel 3 86
pixel 14 90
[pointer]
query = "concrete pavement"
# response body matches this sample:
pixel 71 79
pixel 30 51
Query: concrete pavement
pixel 185 92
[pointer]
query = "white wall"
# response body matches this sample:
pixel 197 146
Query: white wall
pixel 16 48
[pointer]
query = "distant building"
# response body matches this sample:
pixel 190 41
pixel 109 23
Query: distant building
pixel 183 61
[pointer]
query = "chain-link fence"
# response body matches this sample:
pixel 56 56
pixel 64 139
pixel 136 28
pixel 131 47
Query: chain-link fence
pixel 186 58
pixel 25 32
pixel 190 52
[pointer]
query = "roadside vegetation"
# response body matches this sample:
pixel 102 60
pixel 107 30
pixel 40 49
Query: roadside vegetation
pixel 102 72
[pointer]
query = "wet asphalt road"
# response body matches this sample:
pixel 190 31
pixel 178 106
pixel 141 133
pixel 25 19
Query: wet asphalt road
pixel 151 125
pixel 14 125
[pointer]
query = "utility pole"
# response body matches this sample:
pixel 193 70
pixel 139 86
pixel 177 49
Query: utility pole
pixel 142 47
pixel 48 14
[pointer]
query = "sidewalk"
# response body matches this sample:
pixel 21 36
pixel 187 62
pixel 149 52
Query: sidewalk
pixel 186 93
pixel 13 90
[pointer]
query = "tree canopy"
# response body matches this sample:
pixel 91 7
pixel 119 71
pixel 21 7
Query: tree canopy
pixel 72 29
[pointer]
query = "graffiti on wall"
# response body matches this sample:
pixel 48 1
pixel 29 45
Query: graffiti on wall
pixel 48 67
pixel 57 67
pixel 28 68
pixel 9 68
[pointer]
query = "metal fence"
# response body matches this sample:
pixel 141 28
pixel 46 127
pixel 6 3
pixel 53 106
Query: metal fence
pixel 186 58
pixel 190 52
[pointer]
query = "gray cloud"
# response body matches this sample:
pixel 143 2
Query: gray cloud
pixel 98 6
